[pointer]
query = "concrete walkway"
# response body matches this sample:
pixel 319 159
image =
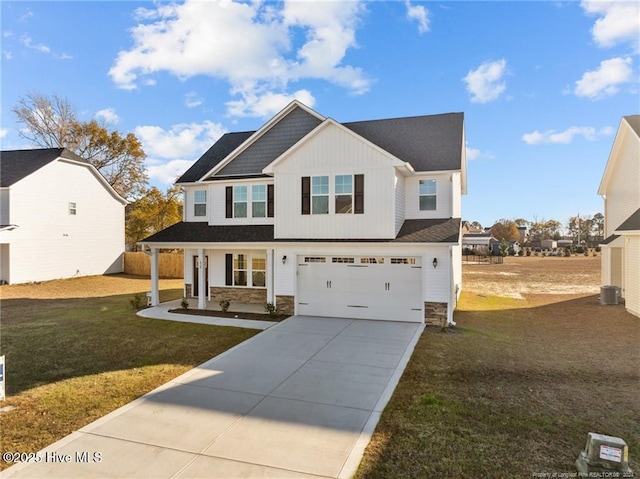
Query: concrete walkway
pixel 162 312
pixel 299 400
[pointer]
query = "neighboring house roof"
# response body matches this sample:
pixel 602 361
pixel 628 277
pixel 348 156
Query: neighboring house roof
pixel 428 143
pixel 631 124
pixel 412 231
pixel 630 224
pixel 15 165
pixel 610 239
pixel 18 164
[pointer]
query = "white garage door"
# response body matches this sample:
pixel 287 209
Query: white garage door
pixel 387 288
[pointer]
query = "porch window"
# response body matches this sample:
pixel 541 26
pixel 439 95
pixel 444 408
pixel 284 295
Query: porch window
pixel 239 201
pixel 239 269
pixel 259 201
pixel 344 194
pixel 200 203
pixel 427 195
pixel 258 270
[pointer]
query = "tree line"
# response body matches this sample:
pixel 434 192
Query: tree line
pixel 52 122
pixel 583 230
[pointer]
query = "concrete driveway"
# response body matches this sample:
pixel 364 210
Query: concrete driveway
pixel 300 399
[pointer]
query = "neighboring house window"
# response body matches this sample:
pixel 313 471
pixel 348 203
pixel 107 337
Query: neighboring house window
pixel 72 208
pixel 320 195
pixel 427 195
pixel 344 194
pixel 259 201
pixel 258 270
pixel 200 203
pixel 239 201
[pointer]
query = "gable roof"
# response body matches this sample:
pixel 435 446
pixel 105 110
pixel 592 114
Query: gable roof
pixel 628 125
pixel 428 143
pixel 632 223
pixel 18 164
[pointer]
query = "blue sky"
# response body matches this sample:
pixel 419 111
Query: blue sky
pixel 543 85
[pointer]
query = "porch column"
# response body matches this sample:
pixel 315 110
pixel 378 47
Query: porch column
pixel 155 293
pixel 271 297
pixel 202 283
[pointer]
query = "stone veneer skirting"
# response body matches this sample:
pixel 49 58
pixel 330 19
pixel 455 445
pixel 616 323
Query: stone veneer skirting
pixel 187 291
pixel 238 295
pixel 435 313
pixel 285 304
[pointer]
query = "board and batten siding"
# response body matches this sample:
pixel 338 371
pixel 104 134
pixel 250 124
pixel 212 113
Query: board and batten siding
pixel 400 201
pixel 332 152
pixel 622 192
pixel 443 196
pixel 632 271
pixel 50 243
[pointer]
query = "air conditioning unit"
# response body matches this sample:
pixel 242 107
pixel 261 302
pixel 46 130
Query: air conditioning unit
pixel 609 295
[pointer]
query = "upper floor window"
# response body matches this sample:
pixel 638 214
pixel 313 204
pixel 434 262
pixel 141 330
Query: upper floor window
pixel 72 208
pixel 427 195
pixel 319 195
pixel 259 201
pixel 344 194
pixel 200 203
pixel 239 201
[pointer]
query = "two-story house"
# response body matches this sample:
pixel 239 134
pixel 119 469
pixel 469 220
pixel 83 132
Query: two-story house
pixel 357 220
pixel 620 188
pixel 52 203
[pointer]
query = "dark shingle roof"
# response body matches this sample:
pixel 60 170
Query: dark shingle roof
pixel 214 155
pixel 429 143
pixel 18 164
pixel 632 223
pixel 610 239
pixel 412 231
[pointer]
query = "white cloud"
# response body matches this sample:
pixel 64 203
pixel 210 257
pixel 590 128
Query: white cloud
pixel 606 80
pixel 619 22
pixel 475 154
pixel 251 45
pixel 167 172
pixel 186 140
pixel 192 100
pixel 108 116
pixel 28 42
pixel 3 132
pixel 565 137
pixel 420 14
pixel 267 104
pixel 485 83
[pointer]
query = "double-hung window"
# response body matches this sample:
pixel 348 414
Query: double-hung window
pixel 239 201
pixel 72 208
pixel 259 201
pixel 200 203
pixel 258 270
pixel 320 195
pixel 240 269
pixel 428 195
pixel 344 194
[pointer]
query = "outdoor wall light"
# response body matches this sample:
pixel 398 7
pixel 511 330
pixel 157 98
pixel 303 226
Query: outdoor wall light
pixel 284 259
pixel 435 262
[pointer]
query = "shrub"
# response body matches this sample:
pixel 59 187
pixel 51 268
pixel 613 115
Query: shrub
pixel 521 253
pixel 184 304
pixel 138 301
pixel 597 249
pixel 271 308
pixel 586 251
pixel 567 252
pixel 528 252
pixel 224 305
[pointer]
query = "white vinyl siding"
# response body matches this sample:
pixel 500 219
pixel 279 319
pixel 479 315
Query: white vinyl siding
pixel 333 152
pixel 400 201
pixel 49 242
pixel 193 196
pixel 443 197
pixel 632 270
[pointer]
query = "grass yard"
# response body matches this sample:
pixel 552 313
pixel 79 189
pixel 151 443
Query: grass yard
pixel 514 389
pixel 75 350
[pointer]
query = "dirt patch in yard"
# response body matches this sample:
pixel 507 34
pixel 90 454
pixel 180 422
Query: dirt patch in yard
pixel 519 276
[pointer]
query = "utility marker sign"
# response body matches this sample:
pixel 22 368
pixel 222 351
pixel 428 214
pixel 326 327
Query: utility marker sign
pixel 610 453
pixel 1 378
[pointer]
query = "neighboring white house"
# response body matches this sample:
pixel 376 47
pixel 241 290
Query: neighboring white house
pixel 358 220
pixel 59 217
pixel 620 188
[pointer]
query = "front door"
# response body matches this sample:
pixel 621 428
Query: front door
pixel 196 284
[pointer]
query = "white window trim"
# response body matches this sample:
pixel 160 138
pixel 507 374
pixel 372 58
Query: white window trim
pixel 195 203
pixel 246 202
pixel 352 194
pixel 249 269
pixel 318 195
pixel 435 195
pixel 265 201
pixel 73 208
